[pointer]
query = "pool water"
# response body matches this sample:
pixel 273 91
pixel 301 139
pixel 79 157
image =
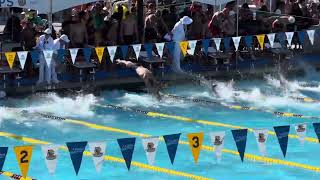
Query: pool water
pixel 264 94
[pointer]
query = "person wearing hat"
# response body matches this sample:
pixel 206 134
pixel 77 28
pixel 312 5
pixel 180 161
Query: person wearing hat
pixel 45 42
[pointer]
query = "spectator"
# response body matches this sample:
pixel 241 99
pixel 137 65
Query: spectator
pixel 78 33
pixel 262 18
pixel 171 17
pixel 314 13
pixel 98 23
pixel 28 36
pixel 196 29
pixel 280 10
pixel 13 28
pixel 245 20
pixel 129 29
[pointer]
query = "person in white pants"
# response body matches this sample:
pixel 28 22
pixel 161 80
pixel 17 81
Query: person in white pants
pixel 59 43
pixel 45 42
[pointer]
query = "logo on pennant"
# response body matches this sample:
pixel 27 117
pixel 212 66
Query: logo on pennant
pixel 160 47
pixel 127 147
pixel 99 52
pixel 282 133
pixel 73 53
pixel 240 137
pixel 217 139
pixel 261 40
pixel 3 155
pixel 271 38
pixel 97 150
pixel 217 42
pixel 76 150
pixel 301 130
pixel 23 155
pixel 150 146
pixel 184 47
pixel 22 55
pixel 10 58
pixel 192 45
pixel 261 138
pixel 48 57
pixel 289 37
pixel 50 152
pixel 137 49
pixel 112 52
pixel 311 36
pixel 172 142
pixel 236 41
pixel 195 142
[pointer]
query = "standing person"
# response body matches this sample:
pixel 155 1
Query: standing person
pixel 78 31
pixel 45 43
pixel 59 43
pixel 129 29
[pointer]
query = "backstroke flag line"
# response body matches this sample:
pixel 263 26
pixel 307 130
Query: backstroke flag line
pixel 316 127
pixel 22 55
pixel 150 146
pixel 48 57
pixel 217 42
pixel 261 40
pixel 192 45
pixel 311 35
pixel 261 138
pixel 289 38
pixel 271 38
pixel 172 142
pixel 100 52
pixel 73 53
pixel 160 47
pixel 195 142
pixel 3 155
pixel 50 153
pixel 76 150
pixel 23 155
pixel 112 52
pixel 184 47
pixel 137 49
pixel 97 149
pixel 127 147
pixel 236 41
pixel 11 56
pixel 240 137
pixel 282 133
pixel 217 139
pixel 301 130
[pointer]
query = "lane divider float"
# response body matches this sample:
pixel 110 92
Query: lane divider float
pixel 14 176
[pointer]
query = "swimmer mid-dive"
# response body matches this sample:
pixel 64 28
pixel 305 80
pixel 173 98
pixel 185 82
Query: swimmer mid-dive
pixel 146 75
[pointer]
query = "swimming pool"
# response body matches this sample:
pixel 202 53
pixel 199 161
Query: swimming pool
pixel 263 94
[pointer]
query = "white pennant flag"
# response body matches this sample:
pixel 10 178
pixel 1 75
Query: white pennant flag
pixel 192 45
pixel 73 53
pixel 217 41
pixel 217 139
pixel 271 38
pixel 261 137
pixel 311 35
pixel 301 130
pixel 48 57
pixel 50 153
pixel 150 146
pixel 289 37
pixel 236 42
pixel 22 55
pixel 160 47
pixel 97 149
pixel 112 52
pixel 137 49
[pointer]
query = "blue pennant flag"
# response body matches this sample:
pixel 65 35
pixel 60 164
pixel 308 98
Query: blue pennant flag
pixel 301 35
pixel 149 47
pixel 127 147
pixel 248 40
pixel 282 133
pixel 226 42
pixel 172 142
pixel 87 54
pixel 240 137
pixel 205 44
pixel 35 56
pixel 282 38
pixel 76 150
pixel 3 154
pixel 61 53
pixel 170 46
pixel 124 51
pixel 316 127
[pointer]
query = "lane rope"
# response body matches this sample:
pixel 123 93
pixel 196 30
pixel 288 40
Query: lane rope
pixel 109 158
pixel 14 176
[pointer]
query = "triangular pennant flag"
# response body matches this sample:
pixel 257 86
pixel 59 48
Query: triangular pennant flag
pixel 48 57
pixel 261 40
pixel 148 47
pixel 100 52
pixel 316 127
pixel 50 153
pixel 217 42
pixel 23 155
pixel 172 142
pixel 184 47
pixel 301 36
pixel 3 155
pixel 248 40
pixel 311 35
pixel 301 130
pixel 97 150
pixel 87 52
pixel 73 53
pixel 226 42
pixel 35 56
pixel 127 147
pixel 192 45
pixel 236 42
pixel 195 142
pixel 282 133
pixel 170 46
pixel 137 49
pixel 124 51
pixel 150 146
pixel 61 53
pixel 282 38
pixel 271 38
pixel 217 139
pixel 22 55
pixel 261 138
pixel 11 56
pixel 289 37
pixel 240 137
pixel 76 150
pixel 112 52
pixel 160 47
pixel 205 45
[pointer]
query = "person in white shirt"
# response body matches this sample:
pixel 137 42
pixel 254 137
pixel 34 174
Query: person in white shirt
pixel 45 42
pixel 59 43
